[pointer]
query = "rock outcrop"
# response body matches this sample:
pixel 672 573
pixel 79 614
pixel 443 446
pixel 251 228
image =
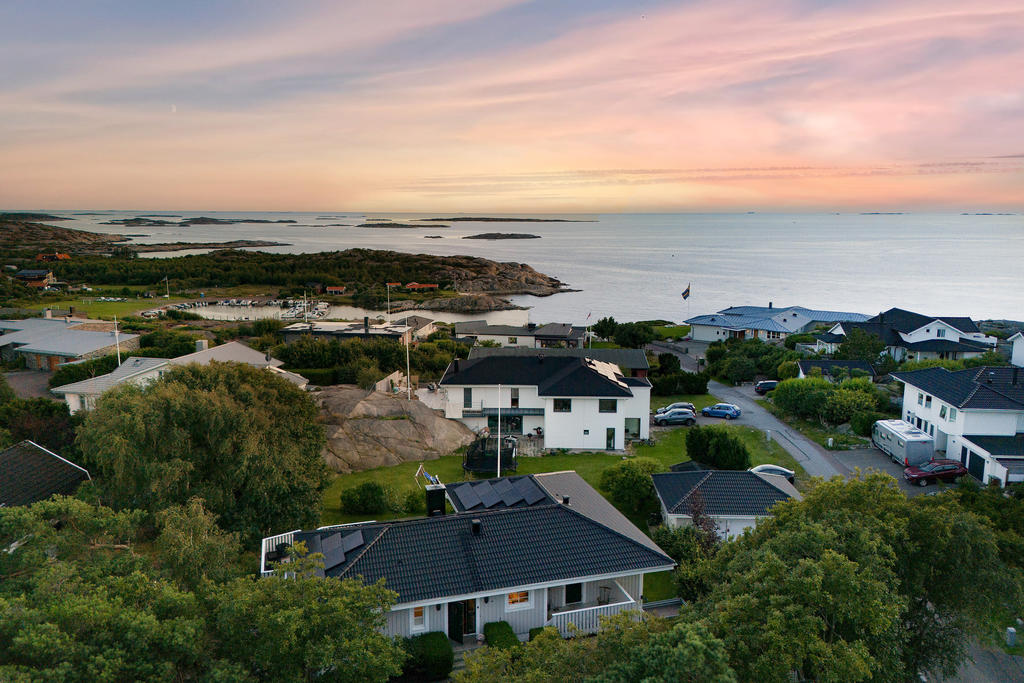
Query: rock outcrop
pixel 367 429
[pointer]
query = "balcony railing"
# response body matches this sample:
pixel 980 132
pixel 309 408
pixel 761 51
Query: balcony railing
pixel 481 409
pixel 588 619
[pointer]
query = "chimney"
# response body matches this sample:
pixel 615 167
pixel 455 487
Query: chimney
pixel 435 500
pixel 771 304
pixel 476 526
pixel 366 324
pixel 47 314
pixel 202 344
pixel 455 365
pixel 565 500
pixel 71 310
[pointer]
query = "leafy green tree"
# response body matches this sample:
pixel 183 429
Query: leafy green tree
pixel 687 653
pixel 46 422
pixel 841 405
pixel 668 363
pixel 788 370
pixel 803 397
pixel 192 548
pixel 6 392
pixel 300 629
pixel 792 340
pixel 605 327
pixel 242 439
pixel 693 548
pixel 629 484
pixel 634 335
pixel 860 345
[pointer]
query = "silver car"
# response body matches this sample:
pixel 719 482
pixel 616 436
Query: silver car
pixel 676 406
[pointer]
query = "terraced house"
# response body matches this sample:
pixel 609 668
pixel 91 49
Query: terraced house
pixel 534 550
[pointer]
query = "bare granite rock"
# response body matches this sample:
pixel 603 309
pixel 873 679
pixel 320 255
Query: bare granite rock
pixel 368 429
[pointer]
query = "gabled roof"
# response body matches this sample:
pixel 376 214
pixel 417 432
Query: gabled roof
pixel 131 367
pixel 553 376
pixel 492 494
pixel 827 365
pixel 55 336
pixel 559 331
pixel 1018 336
pixel 811 315
pixel 887 333
pixel 629 359
pixel 908 321
pixel 234 351
pixel 723 493
pixel 30 473
pixel 986 388
pixel 433 558
pixel 482 327
pixel 741 322
pixel 964 345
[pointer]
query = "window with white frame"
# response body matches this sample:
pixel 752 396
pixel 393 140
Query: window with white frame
pixel 941 332
pixel 952 414
pixel 518 600
pixel 927 401
pixel 563 405
pixel 920 399
pixel 418 617
pixel 942 411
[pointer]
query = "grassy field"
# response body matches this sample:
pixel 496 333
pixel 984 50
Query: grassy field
pixel 671 331
pixel 817 432
pixel 105 310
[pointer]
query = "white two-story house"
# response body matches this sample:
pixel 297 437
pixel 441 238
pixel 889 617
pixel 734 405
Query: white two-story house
pixel 912 336
pixel 976 416
pixel 577 403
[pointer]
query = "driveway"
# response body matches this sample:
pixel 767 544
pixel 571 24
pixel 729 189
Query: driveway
pixel 815 460
pixel 989 666
pixel 29 383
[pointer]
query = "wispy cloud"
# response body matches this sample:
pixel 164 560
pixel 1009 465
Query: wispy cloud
pixel 498 104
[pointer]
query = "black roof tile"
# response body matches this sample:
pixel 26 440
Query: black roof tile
pixel 557 376
pixel 985 388
pixel 722 492
pixel 627 359
pixel 30 473
pixel 999 445
pixel 436 557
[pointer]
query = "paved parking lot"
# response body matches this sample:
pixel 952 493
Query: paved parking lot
pixel 29 383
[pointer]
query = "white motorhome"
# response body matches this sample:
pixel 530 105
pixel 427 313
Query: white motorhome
pixel 903 442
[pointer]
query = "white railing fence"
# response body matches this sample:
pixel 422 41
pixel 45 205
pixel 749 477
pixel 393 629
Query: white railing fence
pixel 588 619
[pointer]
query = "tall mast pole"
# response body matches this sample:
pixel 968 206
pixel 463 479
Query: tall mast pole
pixel 499 430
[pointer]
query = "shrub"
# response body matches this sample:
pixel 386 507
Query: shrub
pixel 634 335
pixel 792 340
pixel 679 383
pixel 841 405
pixel 802 397
pixel 629 485
pixel 739 369
pixel 368 498
pixel 863 420
pixel 668 363
pixel 716 351
pixel 537 630
pixel 318 376
pixel 717 447
pixel 499 634
pixel 788 370
pixel 414 502
pixel 76 372
pixel 430 657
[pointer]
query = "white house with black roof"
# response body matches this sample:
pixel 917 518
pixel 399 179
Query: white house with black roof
pixel 526 556
pixel 735 500
pixel 531 335
pixel 913 336
pixel 1017 354
pixel 631 362
pixel 975 416
pixel 578 403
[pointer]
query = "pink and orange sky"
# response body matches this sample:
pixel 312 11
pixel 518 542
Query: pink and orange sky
pixel 499 105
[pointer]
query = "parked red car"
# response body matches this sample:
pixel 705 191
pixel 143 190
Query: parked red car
pixel 934 470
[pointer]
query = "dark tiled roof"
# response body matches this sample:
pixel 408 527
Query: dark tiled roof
pixel 968 345
pixel 30 473
pixel 627 359
pixel 437 557
pixel 827 365
pixel 481 327
pixel 830 338
pixel 558 376
pixel 908 321
pixel 560 331
pixel 722 492
pixel 887 333
pixel 999 445
pixel 987 388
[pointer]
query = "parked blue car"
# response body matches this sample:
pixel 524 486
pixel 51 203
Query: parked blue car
pixel 726 410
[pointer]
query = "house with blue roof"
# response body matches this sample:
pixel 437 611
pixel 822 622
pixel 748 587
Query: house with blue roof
pixel 768 323
pixel 532 551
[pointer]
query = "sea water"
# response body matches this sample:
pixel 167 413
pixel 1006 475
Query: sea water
pixel 636 266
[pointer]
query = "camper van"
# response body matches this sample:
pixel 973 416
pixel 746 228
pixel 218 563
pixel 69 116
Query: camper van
pixel 903 442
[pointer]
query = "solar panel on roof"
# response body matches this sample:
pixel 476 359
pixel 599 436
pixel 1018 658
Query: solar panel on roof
pixel 511 497
pixel 488 497
pixel 466 495
pixel 328 543
pixel 352 541
pixel 502 486
pixel 534 494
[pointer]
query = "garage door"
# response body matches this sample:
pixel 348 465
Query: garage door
pixel 976 466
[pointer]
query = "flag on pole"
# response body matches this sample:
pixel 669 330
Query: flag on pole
pixel 589 314
pixel 686 292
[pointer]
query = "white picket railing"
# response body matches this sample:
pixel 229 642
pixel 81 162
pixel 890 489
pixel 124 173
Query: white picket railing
pixel 588 619
pixel 270 544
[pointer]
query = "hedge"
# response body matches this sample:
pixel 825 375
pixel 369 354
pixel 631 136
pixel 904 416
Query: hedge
pixel 537 630
pixel 499 634
pixel 862 421
pixel 369 498
pixel 717 447
pixel 431 657
pixel 679 383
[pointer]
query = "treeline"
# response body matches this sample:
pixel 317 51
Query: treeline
pixel 365 361
pixel 230 267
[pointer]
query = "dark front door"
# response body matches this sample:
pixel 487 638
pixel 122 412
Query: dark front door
pixel 976 466
pixel 456 619
pixel 610 438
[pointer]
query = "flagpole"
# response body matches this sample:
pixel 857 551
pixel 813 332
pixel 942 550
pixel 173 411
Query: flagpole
pixel 499 430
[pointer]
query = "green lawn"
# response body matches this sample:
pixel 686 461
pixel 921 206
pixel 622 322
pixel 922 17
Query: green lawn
pixel 659 586
pixel 671 331
pixel 815 431
pixel 105 309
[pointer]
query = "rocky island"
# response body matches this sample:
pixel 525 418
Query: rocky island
pixel 393 224
pixel 152 222
pixel 502 236
pixel 496 219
